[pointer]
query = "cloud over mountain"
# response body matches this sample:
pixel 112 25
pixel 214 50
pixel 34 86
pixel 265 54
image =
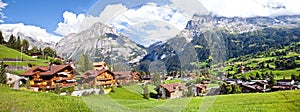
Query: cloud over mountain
pixel 252 8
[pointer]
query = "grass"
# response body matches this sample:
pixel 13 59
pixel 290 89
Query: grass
pixel 6 52
pixel 172 81
pixel 16 100
pixel 123 100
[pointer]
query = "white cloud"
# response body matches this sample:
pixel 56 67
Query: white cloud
pixel 28 30
pixel 250 8
pixel 71 23
pixel 2 6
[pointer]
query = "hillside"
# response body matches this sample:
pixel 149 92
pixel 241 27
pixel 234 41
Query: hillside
pixel 279 62
pixel 6 52
pixel 217 39
pixel 125 101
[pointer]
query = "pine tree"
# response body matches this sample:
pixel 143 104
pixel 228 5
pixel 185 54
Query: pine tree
pixel 25 46
pixel 2 73
pixel 146 91
pixel 28 84
pixel 1 38
pixel 84 63
pixel 18 44
pixel 156 79
pixel 11 42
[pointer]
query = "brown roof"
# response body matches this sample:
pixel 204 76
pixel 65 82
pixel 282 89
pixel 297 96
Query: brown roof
pixel 44 70
pixel 200 85
pixel 172 87
pixel 284 80
pixel 95 73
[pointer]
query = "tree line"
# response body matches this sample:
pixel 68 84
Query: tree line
pixel 23 46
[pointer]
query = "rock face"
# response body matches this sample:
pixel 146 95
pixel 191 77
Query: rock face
pixel 205 32
pixel 101 43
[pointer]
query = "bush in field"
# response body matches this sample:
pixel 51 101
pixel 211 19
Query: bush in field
pixel 57 89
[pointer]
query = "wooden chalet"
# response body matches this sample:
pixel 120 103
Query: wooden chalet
pixel 258 86
pixel 47 77
pixel 171 91
pixel 127 76
pixel 103 77
pixel 199 89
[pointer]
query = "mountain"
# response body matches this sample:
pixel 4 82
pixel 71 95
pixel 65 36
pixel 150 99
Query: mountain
pixel 36 36
pixel 101 43
pixel 216 39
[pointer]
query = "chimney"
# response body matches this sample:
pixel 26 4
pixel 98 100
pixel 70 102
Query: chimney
pixel 50 66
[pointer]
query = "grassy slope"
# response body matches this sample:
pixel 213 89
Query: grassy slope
pixel 13 100
pixel 125 101
pixel 6 52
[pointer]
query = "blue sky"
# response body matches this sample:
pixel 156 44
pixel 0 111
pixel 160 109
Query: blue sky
pixel 150 19
pixel 48 13
pixel 43 13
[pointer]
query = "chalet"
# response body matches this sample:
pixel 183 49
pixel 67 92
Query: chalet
pixel 35 55
pixel 171 91
pixel 100 65
pixel 285 82
pixel 14 80
pixel 146 78
pixel 199 89
pixel 127 76
pixel 47 77
pixel 102 77
pixel 258 86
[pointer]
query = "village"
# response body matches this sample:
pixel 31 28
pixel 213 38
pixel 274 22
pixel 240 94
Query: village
pixel 65 80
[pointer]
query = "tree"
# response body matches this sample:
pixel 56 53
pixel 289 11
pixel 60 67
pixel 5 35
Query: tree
pixel 156 79
pixel 146 91
pixel 25 46
pixel 57 89
pixel 235 89
pixel 294 77
pixel 11 42
pixel 34 50
pixel 2 73
pixel 84 63
pixel 28 83
pixel 49 52
pixel 272 81
pixel 18 44
pixel 1 38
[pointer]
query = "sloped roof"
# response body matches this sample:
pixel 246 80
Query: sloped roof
pixel 200 85
pixel 44 70
pixel 95 73
pixel 172 87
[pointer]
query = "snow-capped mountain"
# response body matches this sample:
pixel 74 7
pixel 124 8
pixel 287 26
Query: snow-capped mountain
pixel 203 23
pixel 35 35
pixel 101 43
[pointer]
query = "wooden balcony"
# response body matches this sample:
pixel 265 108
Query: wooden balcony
pixel 104 79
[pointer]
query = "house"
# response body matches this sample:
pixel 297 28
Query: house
pixel 47 77
pixel 199 89
pixel 103 77
pixel 258 86
pixel 171 91
pixel 127 76
pixel 285 82
pixel 146 78
pixel 123 77
pixel 14 80
pixel 35 55
pixel 100 65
